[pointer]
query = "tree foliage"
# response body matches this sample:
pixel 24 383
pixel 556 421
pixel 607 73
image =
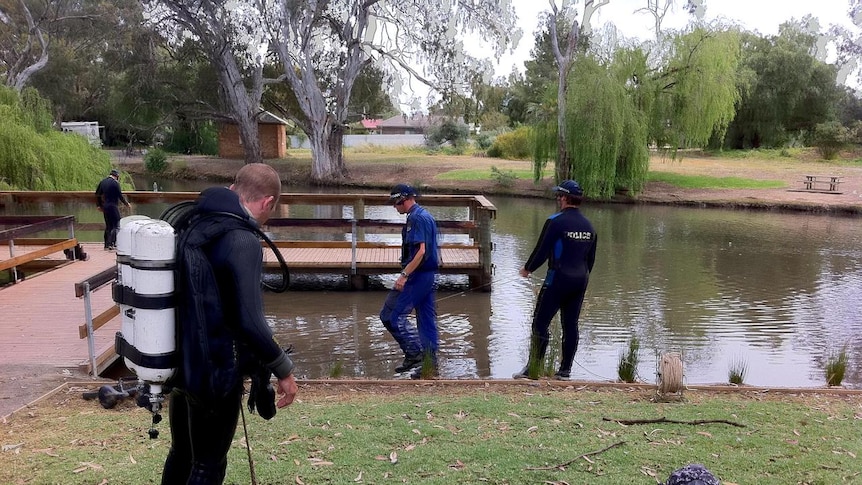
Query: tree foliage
pixel 786 91
pixel 615 108
pixel 605 133
pixel 28 29
pixel 323 47
pixel 34 156
pixel 696 90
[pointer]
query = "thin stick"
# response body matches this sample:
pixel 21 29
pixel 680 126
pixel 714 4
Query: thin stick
pixel 665 420
pixel 247 446
pixel 585 456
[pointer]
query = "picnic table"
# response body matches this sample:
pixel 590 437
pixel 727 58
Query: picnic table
pixel 819 183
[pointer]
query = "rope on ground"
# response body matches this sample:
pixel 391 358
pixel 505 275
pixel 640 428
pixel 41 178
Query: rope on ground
pixel 670 374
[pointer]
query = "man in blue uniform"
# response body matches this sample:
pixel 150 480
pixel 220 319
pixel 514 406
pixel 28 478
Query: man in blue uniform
pixel 568 243
pixel 414 288
pixel 108 197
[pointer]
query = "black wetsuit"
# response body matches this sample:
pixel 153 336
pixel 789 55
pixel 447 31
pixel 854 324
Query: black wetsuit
pixel 568 243
pixel 205 403
pixel 108 197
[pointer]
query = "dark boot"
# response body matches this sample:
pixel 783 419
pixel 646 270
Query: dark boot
pixel 410 362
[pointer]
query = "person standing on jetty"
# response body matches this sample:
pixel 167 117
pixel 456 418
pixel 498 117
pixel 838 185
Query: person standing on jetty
pixel 414 288
pixel 108 196
pixel 568 243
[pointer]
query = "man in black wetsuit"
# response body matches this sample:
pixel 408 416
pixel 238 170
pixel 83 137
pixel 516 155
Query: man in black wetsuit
pixel 108 196
pixel 221 325
pixel 568 243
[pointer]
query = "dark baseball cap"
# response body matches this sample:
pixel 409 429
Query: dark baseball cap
pixel 114 171
pixel 569 187
pixel 402 191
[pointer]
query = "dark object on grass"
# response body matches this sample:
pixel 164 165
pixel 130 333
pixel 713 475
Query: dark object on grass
pixel 692 474
pixel 109 396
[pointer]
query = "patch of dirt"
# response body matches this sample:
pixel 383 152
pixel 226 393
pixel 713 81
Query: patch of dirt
pixel 21 385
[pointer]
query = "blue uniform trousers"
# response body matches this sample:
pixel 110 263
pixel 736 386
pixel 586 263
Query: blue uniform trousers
pixel 418 293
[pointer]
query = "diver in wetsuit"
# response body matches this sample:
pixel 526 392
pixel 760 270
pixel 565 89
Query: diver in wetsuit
pixel 108 196
pixel 221 304
pixel 568 243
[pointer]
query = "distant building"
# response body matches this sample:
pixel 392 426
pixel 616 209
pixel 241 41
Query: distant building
pixel 416 124
pixel 371 125
pixel 271 133
pixel 87 129
pixel 403 124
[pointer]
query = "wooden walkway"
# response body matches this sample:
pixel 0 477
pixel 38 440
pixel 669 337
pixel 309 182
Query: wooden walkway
pixel 41 315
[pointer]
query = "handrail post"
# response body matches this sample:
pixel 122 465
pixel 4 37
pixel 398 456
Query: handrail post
pixel 13 269
pixel 483 220
pixel 91 339
pixel 353 246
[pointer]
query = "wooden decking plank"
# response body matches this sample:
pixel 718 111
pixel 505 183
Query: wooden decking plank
pixel 41 315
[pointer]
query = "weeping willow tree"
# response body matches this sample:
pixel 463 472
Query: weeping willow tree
pixel 696 93
pixel 35 156
pixel 605 135
pixel 616 109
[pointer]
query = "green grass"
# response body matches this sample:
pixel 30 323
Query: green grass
pixel 443 434
pixel 482 174
pixel 706 182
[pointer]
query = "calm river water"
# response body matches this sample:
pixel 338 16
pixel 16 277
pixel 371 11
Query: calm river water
pixel 779 292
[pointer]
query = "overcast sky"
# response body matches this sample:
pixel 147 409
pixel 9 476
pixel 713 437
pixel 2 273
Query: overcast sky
pixel 763 16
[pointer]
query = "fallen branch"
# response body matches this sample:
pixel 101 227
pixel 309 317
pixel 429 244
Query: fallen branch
pixel 585 456
pixel 665 420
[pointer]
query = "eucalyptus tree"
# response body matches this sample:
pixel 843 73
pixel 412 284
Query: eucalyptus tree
pixel 566 45
pixel 230 35
pixel 323 46
pixel 27 30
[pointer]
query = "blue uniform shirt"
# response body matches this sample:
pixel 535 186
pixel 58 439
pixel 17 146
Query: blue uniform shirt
pixel 420 227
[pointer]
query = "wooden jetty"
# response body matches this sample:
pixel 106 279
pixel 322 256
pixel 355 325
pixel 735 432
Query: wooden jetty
pixel 66 316
pixel 350 244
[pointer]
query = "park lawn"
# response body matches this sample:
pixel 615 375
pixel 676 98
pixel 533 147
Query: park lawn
pixel 708 182
pixel 472 432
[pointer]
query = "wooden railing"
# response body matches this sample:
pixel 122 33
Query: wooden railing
pixel 13 230
pixel 352 231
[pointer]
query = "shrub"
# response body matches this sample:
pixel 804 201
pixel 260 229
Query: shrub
pixel 628 364
pixel 484 141
pixel 503 179
pixel 156 160
pixel 736 371
pixel 514 145
pixel 836 366
pixel 830 138
pixel 448 131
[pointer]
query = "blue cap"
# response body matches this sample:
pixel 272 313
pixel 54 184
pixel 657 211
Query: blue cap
pixel 569 187
pixel 402 191
pixel 115 172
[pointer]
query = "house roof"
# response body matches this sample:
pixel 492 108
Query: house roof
pixel 268 118
pixel 405 121
pixel 370 123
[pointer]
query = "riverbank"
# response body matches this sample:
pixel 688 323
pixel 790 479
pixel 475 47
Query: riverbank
pixel 468 174
pixel 463 432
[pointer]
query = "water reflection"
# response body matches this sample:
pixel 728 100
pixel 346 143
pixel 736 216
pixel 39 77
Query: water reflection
pixel 779 291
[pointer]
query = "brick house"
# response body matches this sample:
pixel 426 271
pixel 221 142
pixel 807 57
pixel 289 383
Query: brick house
pixel 271 133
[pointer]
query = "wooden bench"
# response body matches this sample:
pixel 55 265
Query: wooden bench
pixel 826 184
